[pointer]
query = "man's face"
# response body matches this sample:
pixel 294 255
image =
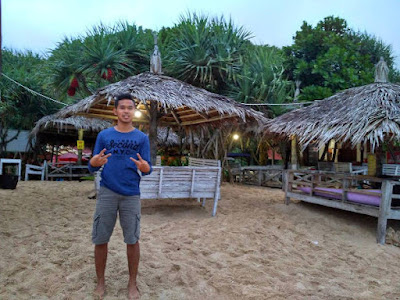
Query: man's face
pixel 125 111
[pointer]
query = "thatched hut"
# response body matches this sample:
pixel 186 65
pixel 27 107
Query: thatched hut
pixel 366 114
pixel 164 101
pixel 53 130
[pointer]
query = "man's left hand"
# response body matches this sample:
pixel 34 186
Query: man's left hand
pixel 141 164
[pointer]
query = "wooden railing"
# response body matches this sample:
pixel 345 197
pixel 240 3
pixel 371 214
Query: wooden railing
pixel 66 170
pixel 347 193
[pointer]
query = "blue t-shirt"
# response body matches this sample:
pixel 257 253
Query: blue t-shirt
pixel 120 174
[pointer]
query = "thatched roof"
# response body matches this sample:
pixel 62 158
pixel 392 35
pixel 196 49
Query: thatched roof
pixel 50 126
pixel 180 103
pixel 59 125
pixel 366 113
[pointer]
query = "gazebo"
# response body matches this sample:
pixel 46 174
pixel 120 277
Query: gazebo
pixel 165 102
pixel 366 114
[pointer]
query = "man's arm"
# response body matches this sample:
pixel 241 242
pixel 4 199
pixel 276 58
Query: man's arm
pixel 94 163
pixel 143 163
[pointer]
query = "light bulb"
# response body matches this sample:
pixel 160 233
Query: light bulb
pixel 138 113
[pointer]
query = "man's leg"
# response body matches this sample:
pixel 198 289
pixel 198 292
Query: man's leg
pixel 100 258
pixel 129 216
pixel 103 224
pixel 133 253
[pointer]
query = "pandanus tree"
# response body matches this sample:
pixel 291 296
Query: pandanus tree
pixel 79 66
pixel 261 79
pixel 205 52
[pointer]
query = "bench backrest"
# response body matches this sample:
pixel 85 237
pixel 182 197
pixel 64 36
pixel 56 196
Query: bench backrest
pixel 342 167
pixel 200 162
pixel 325 166
pixel 391 169
pixel 181 182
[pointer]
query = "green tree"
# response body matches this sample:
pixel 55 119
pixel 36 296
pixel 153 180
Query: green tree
pixel 262 80
pixel 331 57
pixel 19 108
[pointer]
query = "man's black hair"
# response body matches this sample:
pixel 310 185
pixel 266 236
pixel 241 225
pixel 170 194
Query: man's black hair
pixel 123 97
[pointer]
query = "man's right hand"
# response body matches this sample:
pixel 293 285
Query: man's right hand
pixel 100 159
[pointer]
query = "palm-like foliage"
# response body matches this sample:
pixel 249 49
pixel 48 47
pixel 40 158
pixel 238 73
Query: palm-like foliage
pixel 101 59
pixel 205 52
pixel 262 80
pixel 136 43
pixel 63 66
pixel 104 55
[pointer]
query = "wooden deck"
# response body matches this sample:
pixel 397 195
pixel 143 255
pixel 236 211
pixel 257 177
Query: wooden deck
pixel 294 180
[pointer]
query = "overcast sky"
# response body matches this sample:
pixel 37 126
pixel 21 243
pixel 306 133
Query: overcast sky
pixel 39 25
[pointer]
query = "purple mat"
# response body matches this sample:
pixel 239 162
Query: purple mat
pixel 351 196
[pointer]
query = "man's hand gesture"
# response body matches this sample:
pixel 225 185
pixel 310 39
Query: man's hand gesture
pixel 141 164
pixel 100 159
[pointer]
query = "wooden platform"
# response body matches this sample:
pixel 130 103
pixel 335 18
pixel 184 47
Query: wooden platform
pixel 294 179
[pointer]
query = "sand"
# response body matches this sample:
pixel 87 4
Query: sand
pixel 255 248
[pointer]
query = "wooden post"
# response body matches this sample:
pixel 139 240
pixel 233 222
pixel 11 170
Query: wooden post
pixel 286 178
pixel 371 164
pixel 153 131
pixel 273 156
pixel 359 156
pixel 345 186
pixel 216 145
pixel 294 159
pixel 217 193
pixel 80 137
pixel 336 152
pixel 384 208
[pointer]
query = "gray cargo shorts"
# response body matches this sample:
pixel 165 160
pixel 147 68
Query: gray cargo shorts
pixel 108 204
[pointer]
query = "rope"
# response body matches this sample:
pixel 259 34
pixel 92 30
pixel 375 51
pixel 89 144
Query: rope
pixel 273 104
pixel 32 91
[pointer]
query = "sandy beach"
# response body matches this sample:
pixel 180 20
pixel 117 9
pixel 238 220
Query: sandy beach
pixel 255 248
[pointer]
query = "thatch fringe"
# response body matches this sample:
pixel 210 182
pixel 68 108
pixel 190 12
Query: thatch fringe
pixel 170 93
pixel 51 123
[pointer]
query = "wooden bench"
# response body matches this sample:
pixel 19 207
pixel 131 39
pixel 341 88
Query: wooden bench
pixel 314 181
pixel 391 169
pixel 341 167
pixel 180 183
pixel 202 162
pixel 36 170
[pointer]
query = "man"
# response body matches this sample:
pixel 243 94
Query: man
pixel 123 151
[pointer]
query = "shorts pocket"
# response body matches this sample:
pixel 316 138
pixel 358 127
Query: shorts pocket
pixel 96 222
